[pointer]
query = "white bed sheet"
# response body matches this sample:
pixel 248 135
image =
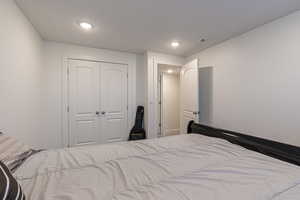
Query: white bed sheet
pixel 185 167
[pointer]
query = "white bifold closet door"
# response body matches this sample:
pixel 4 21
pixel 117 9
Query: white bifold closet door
pixel 189 92
pixel 97 102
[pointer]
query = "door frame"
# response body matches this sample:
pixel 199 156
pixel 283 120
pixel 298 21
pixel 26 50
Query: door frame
pixel 161 105
pixel 131 92
pixel 152 61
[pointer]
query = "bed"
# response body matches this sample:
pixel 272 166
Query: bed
pixel 207 163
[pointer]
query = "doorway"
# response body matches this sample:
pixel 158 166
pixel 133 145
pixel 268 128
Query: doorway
pixel 169 100
pixel 98 105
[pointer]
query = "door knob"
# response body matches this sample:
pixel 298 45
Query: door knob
pixel 97 112
pixel 103 112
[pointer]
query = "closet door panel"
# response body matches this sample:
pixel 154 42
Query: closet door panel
pixel 114 102
pixel 83 102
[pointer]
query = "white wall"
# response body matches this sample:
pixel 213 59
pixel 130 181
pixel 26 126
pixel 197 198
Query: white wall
pixel 140 80
pixel 52 80
pixel 20 76
pixel 257 79
pixel 170 104
pixel 31 79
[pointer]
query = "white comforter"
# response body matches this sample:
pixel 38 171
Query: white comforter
pixel 185 167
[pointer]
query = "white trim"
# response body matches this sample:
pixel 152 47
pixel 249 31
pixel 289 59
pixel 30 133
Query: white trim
pixel 65 103
pixel 162 121
pixel 65 96
pixel 153 60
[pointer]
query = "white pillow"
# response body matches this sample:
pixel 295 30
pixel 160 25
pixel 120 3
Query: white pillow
pixel 13 152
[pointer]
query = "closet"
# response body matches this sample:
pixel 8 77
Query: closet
pixel 98 104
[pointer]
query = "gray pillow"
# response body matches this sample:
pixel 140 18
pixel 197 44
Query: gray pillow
pixel 13 152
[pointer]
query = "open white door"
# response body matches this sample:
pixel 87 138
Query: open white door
pixel 189 89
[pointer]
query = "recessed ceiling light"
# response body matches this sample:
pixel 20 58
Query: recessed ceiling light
pixel 85 26
pixel 170 71
pixel 175 44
